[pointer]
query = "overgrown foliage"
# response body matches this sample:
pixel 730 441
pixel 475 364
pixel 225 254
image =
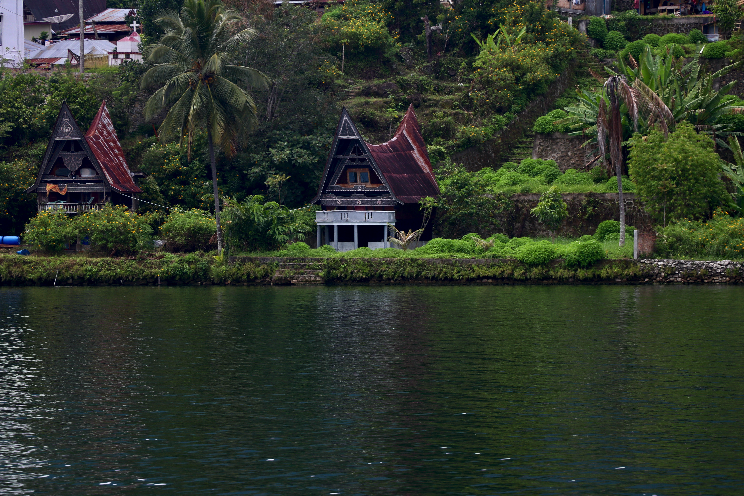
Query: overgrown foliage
pixel 189 230
pixel 722 237
pixel 677 178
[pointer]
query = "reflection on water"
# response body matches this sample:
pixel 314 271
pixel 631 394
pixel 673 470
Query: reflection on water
pixel 372 390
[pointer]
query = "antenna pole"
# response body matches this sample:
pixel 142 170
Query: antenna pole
pixel 82 36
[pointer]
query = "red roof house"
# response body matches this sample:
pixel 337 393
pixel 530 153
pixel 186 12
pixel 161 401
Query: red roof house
pixel 82 172
pixel 366 186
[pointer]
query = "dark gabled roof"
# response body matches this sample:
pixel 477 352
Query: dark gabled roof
pixel 405 162
pixel 49 8
pixel 346 131
pixel 104 143
pixel 65 128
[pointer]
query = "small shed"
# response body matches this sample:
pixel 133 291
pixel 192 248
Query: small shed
pixel 82 172
pixel 367 187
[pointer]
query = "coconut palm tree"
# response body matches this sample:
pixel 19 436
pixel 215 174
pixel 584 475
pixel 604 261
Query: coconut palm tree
pixel 198 86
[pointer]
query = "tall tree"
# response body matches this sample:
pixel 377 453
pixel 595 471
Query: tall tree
pixel 199 88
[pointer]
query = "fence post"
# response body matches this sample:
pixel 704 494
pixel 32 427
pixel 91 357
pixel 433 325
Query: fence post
pixel 635 244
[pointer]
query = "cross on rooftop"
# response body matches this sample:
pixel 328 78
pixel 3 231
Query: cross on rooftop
pixel 135 25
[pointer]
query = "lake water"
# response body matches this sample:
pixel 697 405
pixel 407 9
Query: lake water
pixel 409 390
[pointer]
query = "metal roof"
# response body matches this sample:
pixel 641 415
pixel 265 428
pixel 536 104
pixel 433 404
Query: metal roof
pixel 50 8
pixel 104 143
pixel 30 48
pixel 405 162
pixel 99 28
pixel 59 49
pixel 112 15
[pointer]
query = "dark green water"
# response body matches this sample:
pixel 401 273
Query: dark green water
pixel 372 390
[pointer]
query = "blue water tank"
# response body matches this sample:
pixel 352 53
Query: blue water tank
pixel 11 240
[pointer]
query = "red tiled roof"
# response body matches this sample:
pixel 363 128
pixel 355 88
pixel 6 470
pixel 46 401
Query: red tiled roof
pixel 104 144
pixel 405 163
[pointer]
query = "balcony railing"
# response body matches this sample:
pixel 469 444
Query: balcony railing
pixel 69 208
pixel 378 217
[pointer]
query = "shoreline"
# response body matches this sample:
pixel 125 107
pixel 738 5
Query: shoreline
pixel 201 269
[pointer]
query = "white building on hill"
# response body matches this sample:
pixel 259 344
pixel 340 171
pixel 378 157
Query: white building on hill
pixel 11 33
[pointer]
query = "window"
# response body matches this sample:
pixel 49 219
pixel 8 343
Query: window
pixel 359 176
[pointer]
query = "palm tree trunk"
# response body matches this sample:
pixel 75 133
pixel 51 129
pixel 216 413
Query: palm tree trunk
pixel 616 154
pixel 213 163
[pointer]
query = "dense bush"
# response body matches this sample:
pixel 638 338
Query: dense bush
pixel 551 209
pixel 722 237
pixel 537 253
pixel 359 25
pixel 572 177
pixel 673 38
pixel 189 230
pixel 652 39
pixel 611 185
pixel 677 177
pixel 634 48
pixel 547 123
pixel 51 231
pixel 114 229
pixel 614 41
pixel 597 28
pixel 715 50
pixel 255 225
pixel 609 230
pixel 696 36
pixel 583 253
pixel 602 54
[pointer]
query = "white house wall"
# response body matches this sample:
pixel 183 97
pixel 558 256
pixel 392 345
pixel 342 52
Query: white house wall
pixel 11 32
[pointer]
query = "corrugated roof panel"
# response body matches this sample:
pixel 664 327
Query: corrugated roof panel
pixel 111 15
pixel 59 49
pixel 104 143
pixel 99 28
pixel 405 162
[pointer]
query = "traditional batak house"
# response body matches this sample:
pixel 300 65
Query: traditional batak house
pixel 83 172
pixel 367 187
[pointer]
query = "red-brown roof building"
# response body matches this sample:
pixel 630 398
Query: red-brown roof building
pixel 367 187
pixel 82 172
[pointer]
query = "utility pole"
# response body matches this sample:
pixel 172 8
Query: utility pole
pixel 82 36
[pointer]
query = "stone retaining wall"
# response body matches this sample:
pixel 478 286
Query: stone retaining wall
pixel 692 272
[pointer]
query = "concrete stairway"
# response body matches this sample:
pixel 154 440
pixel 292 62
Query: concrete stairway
pixel 297 273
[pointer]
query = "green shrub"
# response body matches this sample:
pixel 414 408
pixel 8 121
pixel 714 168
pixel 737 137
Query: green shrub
pixel 676 50
pixel 599 174
pixel 610 229
pixel 509 166
pixel 190 230
pixel 634 48
pixel 673 39
pixel 614 41
pixel 696 36
pixel 597 28
pixel 115 229
pixel 715 50
pixel 721 237
pixel 551 209
pixel 602 54
pixel 611 185
pixel 51 231
pixel 535 167
pixel 572 177
pixel 513 178
pixel 583 253
pixel 652 39
pixel 443 246
pixel 546 123
pixel 537 253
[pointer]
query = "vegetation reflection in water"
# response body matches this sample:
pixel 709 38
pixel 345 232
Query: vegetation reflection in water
pixel 372 390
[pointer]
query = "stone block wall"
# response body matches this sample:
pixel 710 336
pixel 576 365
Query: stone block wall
pixel 567 151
